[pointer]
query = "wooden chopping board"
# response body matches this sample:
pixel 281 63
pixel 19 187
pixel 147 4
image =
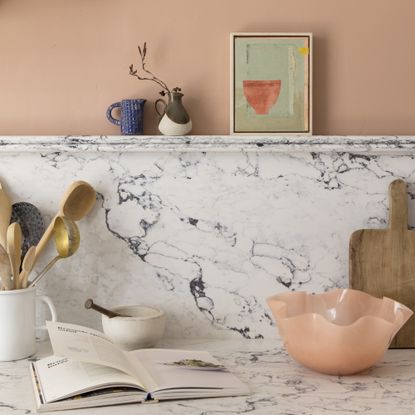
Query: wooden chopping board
pixel 382 261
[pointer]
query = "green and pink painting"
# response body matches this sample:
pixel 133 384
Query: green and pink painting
pixel 271 83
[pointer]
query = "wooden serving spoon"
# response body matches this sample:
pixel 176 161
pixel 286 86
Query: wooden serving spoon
pixel 14 250
pixel 27 266
pixel 67 240
pixel 76 203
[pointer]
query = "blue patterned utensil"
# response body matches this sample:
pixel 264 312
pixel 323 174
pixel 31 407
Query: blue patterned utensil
pixel 31 222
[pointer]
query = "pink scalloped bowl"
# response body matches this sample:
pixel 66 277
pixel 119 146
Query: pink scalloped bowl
pixel 340 332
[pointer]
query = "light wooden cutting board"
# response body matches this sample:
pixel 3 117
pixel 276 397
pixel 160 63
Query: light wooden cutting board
pixel 382 261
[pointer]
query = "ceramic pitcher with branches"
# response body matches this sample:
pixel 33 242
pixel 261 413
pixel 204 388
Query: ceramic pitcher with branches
pixel 174 119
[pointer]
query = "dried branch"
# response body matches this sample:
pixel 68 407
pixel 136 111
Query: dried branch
pixel 134 72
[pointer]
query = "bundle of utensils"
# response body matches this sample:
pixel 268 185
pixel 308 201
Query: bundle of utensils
pixel 23 237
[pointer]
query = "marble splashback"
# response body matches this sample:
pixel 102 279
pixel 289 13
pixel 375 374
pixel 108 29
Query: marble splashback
pixel 207 229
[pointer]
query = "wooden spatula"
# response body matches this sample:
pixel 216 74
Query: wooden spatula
pixel 382 261
pixel 14 250
pixel 5 212
pixel 27 266
pixel 5 271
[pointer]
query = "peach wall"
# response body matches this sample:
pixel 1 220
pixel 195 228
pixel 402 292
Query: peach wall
pixel 64 61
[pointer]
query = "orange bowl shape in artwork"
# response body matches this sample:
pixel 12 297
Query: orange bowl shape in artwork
pixel 340 332
pixel 262 95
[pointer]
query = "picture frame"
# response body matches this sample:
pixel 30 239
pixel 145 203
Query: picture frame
pixel 271 84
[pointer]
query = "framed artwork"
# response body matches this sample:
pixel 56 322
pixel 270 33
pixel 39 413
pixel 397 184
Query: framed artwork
pixel 271 91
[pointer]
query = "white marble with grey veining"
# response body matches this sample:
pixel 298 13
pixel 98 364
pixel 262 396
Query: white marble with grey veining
pixel 279 385
pixel 207 230
pixel 279 144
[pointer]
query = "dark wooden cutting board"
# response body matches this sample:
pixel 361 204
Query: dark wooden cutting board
pixel 382 261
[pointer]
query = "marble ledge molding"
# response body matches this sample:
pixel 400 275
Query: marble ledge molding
pixel 283 144
pixel 206 235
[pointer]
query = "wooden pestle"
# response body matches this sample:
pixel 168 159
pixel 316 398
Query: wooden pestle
pixel 111 314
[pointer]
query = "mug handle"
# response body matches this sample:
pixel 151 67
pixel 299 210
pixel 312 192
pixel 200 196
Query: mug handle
pixel 164 107
pixel 109 113
pixel 54 315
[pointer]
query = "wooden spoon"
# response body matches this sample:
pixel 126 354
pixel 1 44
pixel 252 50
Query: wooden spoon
pixel 27 266
pixel 14 250
pixel 76 203
pixel 5 270
pixel 67 240
pixel 5 213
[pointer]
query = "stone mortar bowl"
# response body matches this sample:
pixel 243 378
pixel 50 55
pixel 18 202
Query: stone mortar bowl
pixel 340 332
pixel 144 328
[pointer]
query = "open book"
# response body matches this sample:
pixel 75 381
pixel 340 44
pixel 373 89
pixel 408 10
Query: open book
pixel 88 369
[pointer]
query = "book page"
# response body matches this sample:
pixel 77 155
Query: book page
pixel 60 377
pixel 87 345
pixel 184 369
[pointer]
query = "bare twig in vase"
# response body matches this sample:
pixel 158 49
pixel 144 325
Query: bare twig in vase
pixel 134 72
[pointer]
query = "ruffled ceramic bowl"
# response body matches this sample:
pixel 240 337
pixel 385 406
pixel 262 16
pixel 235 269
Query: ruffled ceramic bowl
pixel 339 332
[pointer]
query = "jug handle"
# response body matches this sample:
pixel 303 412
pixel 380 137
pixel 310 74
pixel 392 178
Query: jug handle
pixel 109 113
pixel 164 106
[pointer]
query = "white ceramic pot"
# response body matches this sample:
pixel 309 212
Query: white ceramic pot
pixel 143 329
pixel 18 322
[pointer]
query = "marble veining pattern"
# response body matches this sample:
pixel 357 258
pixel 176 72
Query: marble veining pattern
pixel 206 235
pixel 279 144
pixel 279 385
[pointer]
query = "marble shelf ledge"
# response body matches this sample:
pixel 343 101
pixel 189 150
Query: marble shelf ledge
pixel 398 145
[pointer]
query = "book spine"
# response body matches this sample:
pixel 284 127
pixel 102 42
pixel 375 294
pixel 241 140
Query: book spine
pixel 148 397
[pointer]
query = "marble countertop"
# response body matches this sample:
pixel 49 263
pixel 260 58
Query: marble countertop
pixel 279 385
pixel 210 143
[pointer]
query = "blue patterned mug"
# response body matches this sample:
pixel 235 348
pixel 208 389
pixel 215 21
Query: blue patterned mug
pixel 132 111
